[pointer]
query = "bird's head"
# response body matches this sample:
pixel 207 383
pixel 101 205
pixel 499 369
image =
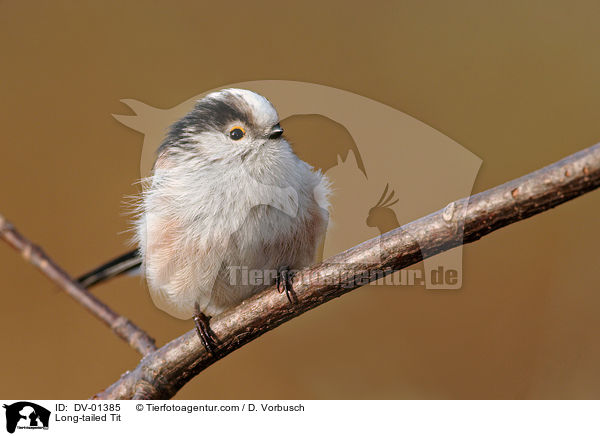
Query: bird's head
pixel 227 123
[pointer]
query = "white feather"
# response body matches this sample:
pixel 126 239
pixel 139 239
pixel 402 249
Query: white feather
pixel 252 204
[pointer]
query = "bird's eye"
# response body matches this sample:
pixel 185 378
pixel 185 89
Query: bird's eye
pixel 237 133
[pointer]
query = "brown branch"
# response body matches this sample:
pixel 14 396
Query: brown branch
pixel 162 373
pixel 120 325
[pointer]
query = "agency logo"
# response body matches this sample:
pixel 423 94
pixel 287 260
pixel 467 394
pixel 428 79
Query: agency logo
pixel 26 415
pixel 386 168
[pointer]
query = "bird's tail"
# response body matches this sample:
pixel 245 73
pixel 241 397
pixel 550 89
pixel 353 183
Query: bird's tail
pixel 127 263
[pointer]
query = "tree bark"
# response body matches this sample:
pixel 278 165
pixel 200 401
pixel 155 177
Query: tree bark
pixel 162 373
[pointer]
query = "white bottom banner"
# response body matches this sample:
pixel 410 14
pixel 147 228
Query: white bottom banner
pixel 251 417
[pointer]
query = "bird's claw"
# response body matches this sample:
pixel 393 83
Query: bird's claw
pixel 207 338
pixel 284 283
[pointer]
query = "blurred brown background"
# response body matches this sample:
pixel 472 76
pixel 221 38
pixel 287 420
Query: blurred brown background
pixel 517 83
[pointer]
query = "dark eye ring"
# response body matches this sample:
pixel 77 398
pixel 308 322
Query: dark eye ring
pixel 237 133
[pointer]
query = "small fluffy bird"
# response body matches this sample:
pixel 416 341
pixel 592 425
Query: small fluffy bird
pixel 226 194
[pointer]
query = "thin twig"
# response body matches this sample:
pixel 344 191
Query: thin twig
pixel 162 373
pixel 33 254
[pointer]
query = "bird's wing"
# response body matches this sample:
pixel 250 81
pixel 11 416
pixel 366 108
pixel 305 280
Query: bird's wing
pixel 127 263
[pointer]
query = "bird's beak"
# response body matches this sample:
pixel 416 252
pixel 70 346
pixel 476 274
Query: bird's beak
pixel 275 132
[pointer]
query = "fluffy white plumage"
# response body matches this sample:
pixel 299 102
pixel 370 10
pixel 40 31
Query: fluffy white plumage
pixel 213 202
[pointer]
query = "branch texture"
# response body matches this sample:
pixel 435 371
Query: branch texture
pixel 162 373
pixel 120 325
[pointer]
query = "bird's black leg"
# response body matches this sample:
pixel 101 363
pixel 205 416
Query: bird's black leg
pixel 284 282
pixel 203 329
